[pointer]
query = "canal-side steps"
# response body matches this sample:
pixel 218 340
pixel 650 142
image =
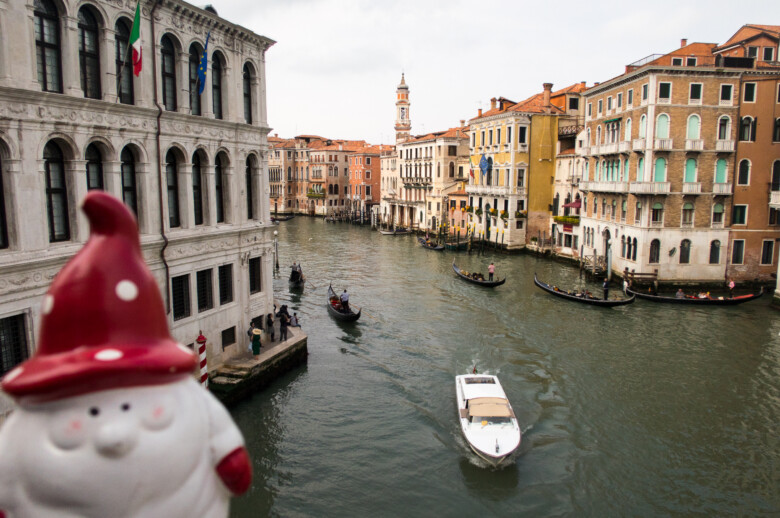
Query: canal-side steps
pixel 240 377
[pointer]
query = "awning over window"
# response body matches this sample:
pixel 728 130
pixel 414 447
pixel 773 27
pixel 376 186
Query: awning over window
pixel 616 119
pixel 576 204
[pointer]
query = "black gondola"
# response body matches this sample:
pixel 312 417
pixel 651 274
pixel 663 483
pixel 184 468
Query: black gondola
pixel 282 218
pixel 395 232
pixel 593 301
pixel 297 279
pixel 435 248
pixel 334 308
pixel 486 284
pixel 718 301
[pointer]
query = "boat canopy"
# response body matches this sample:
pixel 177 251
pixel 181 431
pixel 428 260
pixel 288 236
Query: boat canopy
pixel 489 407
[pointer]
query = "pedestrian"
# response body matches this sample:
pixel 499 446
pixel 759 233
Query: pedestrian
pixel 256 341
pixel 269 324
pixel 625 285
pixel 345 301
pixel 491 271
pixel 605 286
pixel 731 288
pixel 249 333
pixel 284 321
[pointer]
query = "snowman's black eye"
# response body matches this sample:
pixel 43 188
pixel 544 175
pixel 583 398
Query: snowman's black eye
pixel 94 411
pixel 125 407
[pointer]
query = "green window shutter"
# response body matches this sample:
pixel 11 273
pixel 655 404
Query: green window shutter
pixel 720 171
pixel 660 170
pixel 690 170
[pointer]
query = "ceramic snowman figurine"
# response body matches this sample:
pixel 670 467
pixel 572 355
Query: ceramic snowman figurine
pixel 110 421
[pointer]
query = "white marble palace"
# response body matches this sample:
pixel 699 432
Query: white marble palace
pixel 192 166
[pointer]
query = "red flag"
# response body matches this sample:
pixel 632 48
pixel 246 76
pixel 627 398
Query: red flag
pixel 471 172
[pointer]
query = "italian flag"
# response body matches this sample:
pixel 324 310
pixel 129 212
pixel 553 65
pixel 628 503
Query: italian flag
pixel 135 40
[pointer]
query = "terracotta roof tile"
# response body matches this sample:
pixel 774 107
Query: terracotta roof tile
pixel 749 31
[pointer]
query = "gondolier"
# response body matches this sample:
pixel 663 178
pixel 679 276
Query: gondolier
pixel 605 286
pixel 345 301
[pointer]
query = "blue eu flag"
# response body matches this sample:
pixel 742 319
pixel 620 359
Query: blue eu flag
pixel 204 63
pixel 483 164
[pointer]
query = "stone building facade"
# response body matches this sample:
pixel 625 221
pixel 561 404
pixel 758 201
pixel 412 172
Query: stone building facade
pixel 192 167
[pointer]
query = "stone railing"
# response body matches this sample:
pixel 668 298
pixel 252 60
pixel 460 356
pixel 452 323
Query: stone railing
pixel 650 187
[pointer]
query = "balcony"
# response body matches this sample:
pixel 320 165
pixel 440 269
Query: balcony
pixel 691 188
pixel 624 147
pixel 494 190
pixel 604 186
pixel 609 148
pixel 721 188
pixel 774 199
pixel 694 144
pixel 724 145
pixel 686 224
pixel 522 148
pixel 650 188
pixel 585 150
pixel 663 144
pixel 656 224
pixel 639 144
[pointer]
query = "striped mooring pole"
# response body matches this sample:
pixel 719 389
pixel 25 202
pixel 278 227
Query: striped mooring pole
pixel 204 371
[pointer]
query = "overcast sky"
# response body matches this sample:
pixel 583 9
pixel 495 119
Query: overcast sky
pixel 336 64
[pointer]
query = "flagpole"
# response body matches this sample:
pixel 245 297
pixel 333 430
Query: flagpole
pixel 126 57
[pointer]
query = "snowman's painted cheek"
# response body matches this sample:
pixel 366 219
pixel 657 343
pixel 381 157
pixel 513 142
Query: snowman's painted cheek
pixel 158 415
pixel 68 431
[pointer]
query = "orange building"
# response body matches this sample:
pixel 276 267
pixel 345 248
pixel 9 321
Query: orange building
pixel 363 192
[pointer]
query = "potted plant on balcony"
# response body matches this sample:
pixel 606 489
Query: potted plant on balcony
pixel 469 209
pixel 504 215
pixel 478 212
pixel 521 214
pixel 493 212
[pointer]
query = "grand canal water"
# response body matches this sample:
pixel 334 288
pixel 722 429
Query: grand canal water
pixel 642 410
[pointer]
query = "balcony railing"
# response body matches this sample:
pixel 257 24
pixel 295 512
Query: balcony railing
pixel 692 188
pixel 656 224
pixel 609 148
pixel 624 147
pixel 650 187
pixel 522 148
pixel 663 144
pixel 687 224
pixel 585 150
pixel 721 188
pixel 604 186
pixel 724 145
pixel 496 190
pixel 694 144
pixel 774 199
pixel 639 144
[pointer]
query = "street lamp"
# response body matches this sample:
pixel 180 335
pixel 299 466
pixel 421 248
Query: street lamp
pixel 276 248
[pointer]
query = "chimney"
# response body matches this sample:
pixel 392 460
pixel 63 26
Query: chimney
pixel 596 83
pixel 583 83
pixel 462 123
pixel 479 112
pixel 276 135
pixel 683 42
pixel 493 103
pixel 546 96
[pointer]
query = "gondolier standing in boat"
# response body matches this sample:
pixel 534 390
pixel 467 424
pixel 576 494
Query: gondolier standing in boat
pixel 491 271
pixel 345 301
pixel 606 288
pixel 731 288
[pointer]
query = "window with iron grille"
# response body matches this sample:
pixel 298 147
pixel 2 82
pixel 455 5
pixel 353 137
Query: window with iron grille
pixel 205 290
pixel 180 286
pixel 225 274
pixel 13 342
pixel 255 280
pixel 228 337
pixel 47 46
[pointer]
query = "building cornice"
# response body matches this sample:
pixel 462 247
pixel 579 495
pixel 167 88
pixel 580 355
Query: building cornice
pixel 648 70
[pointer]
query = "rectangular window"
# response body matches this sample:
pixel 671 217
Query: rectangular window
pixel 769 53
pixel 225 274
pixel 726 93
pixel 482 141
pixel 601 106
pixel 620 100
pixel 690 62
pixel 644 91
pixel 677 62
pixel 630 98
pixel 609 102
pixel 664 92
pixel 739 215
pixel 490 137
pixel 368 190
pixel 590 109
pixel 255 279
pixel 574 103
pixel 228 337
pixel 752 52
pixel 180 286
pixel 498 136
pixel 521 132
pixel 738 251
pixel 767 252
pixel 520 177
pixel 13 342
pixel 749 93
pixel 694 96
pixel 205 287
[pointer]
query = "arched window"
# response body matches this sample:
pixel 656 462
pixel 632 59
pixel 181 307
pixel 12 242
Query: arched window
pixel 250 165
pixel 89 53
pixel 687 215
pixel 56 193
pixel 660 170
pixel 743 176
pixel 747 129
pixel 633 250
pixel 172 177
pixel 197 191
pixel 690 170
pixel 3 221
pixel 598 135
pixel 720 171
pixel 724 128
pixel 628 130
pixel 588 137
pixel 94 168
pixel 717 215
pixel 124 62
pixel 168 72
pixel 662 126
pixel 47 46
pixel 625 171
pixel 643 126
pixel 247 94
pixel 129 193
pixel 694 127
pixel 638 213
pixel 216 84
pixel 194 64
pixel 219 178
pixel 715 252
pixel 685 251
pixel 655 251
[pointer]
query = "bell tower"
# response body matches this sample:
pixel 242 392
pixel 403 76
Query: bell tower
pixel 403 125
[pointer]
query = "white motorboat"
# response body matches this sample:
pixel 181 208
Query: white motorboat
pixel 486 417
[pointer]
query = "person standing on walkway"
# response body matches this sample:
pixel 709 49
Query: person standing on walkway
pixel 249 333
pixel 284 320
pixel 605 286
pixel 269 324
pixel 345 301
pixel 491 271
pixel 256 341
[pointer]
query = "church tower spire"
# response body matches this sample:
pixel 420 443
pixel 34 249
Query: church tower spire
pixel 403 124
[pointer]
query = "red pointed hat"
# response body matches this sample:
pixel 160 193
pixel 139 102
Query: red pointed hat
pixel 104 323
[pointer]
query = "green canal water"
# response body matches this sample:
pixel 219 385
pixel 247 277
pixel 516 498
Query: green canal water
pixel 641 410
